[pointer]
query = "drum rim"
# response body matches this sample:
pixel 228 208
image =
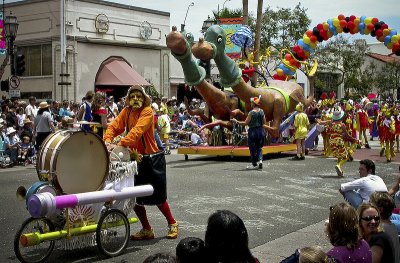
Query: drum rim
pixel 56 184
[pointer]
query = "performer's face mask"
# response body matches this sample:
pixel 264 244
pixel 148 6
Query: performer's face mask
pixel 136 99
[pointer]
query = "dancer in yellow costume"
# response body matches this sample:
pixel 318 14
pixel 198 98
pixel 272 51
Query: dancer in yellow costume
pixel 301 124
pixel 388 135
pixel 326 117
pixel 337 131
pixel 349 121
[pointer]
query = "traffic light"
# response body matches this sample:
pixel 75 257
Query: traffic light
pixel 19 64
pixel 4 86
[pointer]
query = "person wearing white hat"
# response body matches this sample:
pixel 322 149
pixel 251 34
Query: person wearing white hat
pixel 337 131
pixel 11 142
pixel 137 119
pixel 43 124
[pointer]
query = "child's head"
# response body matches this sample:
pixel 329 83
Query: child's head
pixel 26 139
pixel 190 250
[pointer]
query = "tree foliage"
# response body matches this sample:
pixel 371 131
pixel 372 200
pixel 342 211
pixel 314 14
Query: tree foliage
pixel 344 56
pixel 282 28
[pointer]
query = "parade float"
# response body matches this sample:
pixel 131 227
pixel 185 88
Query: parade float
pixel 280 95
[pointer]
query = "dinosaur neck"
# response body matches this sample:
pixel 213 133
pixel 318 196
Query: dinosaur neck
pixel 215 98
pixel 229 72
pixel 245 91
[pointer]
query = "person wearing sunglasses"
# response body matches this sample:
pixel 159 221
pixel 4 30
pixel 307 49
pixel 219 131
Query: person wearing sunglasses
pixel 359 190
pixel 385 204
pixel 380 242
pixel 344 235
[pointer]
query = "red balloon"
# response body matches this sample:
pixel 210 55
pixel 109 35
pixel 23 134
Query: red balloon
pixel 341 17
pixel 288 57
pixel 379 33
pixel 309 33
pixel 313 39
pixel 370 27
pixel 343 23
pixel 296 48
pixel 384 26
pixel 320 27
pixel 374 20
pixel 352 17
pixel 351 25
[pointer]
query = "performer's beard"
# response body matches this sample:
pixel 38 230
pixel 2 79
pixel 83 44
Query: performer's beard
pixel 136 100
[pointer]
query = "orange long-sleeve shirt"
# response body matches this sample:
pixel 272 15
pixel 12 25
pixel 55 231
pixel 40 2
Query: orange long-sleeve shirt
pixel 140 124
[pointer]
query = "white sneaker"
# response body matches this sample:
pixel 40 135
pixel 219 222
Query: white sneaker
pixel 338 171
pixel 251 167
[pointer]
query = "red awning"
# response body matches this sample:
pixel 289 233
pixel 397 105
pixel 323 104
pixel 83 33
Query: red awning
pixel 117 72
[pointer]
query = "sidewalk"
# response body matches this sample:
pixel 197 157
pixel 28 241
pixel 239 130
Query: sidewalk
pixel 275 251
pixel 314 235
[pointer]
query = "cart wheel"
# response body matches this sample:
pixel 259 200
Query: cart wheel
pixel 186 157
pixel 112 233
pixel 36 253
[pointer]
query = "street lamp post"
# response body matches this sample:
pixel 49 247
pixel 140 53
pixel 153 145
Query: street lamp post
pixel 10 32
pixel 207 23
pixel 184 21
pixel 223 5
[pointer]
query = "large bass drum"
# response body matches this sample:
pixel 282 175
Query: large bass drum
pixel 73 161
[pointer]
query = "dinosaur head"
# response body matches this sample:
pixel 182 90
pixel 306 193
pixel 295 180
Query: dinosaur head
pixel 212 45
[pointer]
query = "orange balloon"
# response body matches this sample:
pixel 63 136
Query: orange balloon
pixel 343 23
pixel 370 27
pixel 288 56
pixel 309 33
pixel 341 17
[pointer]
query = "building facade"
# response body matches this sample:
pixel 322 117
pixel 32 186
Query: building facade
pixel 64 66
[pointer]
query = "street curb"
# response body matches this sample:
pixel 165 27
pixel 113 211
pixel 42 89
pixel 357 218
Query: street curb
pixel 277 250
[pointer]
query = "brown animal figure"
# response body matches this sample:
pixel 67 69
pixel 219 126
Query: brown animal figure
pixel 278 99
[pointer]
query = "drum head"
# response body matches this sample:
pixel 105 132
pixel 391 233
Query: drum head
pixel 82 163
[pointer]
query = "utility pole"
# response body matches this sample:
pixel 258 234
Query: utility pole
pixel 245 12
pixel 257 38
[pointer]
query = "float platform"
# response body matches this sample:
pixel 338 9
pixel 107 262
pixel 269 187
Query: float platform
pixel 232 151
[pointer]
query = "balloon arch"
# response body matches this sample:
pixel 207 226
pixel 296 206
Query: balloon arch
pixel 322 32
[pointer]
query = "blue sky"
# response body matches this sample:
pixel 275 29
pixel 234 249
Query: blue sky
pixel 318 10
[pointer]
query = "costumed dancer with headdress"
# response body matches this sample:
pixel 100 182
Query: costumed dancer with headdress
pixel 379 122
pixel 325 116
pixel 373 116
pixel 362 125
pixel 396 117
pixel 337 132
pixel 301 125
pixel 137 121
pixel 349 122
pixel 388 135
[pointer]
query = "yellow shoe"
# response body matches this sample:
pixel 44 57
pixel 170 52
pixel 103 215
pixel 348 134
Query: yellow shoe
pixel 143 234
pixel 173 231
pixel 339 171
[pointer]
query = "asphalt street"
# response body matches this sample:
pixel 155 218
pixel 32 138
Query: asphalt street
pixel 276 204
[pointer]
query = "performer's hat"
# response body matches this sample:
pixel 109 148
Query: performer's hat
pixel 337 115
pixel 299 107
pixel 256 100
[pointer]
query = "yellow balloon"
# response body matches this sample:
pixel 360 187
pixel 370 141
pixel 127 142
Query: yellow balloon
pixel 390 45
pixel 339 29
pixel 329 33
pixel 357 21
pixel 386 32
pixel 356 30
pixel 313 45
pixel 395 39
pixel 336 22
pixel 308 53
pixel 367 20
pixel 366 31
pixel 280 72
pixel 325 26
pixel 306 40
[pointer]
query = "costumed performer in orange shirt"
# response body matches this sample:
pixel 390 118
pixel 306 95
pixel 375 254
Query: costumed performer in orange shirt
pixel 137 120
